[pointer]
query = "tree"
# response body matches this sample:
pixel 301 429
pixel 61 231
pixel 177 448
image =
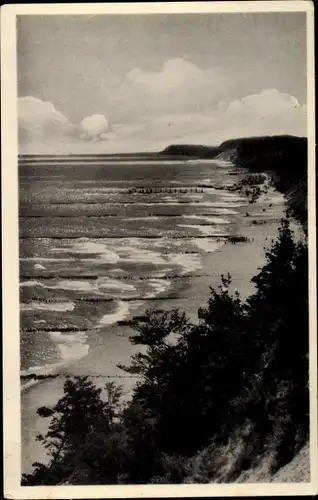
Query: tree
pixel 80 419
pixel 243 366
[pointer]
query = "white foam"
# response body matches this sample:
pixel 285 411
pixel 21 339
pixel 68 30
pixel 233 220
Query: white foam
pixel 71 346
pixel 206 230
pixel 218 204
pixel 114 285
pixel 148 218
pixel 206 204
pixel 119 315
pixel 224 211
pixel 139 255
pixel 30 283
pixel 84 286
pixel 28 384
pixel 102 285
pixel 67 338
pixel 39 266
pixel 159 286
pixel 189 262
pixel 211 219
pixel 208 245
pixel 47 259
pixel 91 247
pixel 73 352
pixel 231 197
pixel 81 286
pixel 195 195
pixel 118 271
pixel 222 163
pixel 47 306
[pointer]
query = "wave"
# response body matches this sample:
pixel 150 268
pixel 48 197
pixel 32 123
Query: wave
pixel 39 266
pixel 208 245
pixel 102 286
pixel 129 251
pixel 84 246
pixel 30 283
pixel 47 162
pixel 206 230
pixel 149 217
pixel 46 259
pixel 115 285
pixel 159 285
pixel 173 203
pixel 208 218
pixel 72 347
pixel 122 312
pixel 188 262
pixel 47 306
pixel 82 286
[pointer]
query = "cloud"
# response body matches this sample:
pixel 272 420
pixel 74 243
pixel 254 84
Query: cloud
pixel 42 127
pixel 94 127
pixel 174 74
pixel 35 112
pixel 269 102
pixel 268 112
pixel 178 86
pixel 40 121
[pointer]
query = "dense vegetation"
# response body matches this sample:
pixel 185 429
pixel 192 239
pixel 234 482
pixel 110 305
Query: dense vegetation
pixel 192 150
pixel 237 380
pixel 284 156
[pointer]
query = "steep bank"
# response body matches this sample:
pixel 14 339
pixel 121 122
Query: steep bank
pixel 285 157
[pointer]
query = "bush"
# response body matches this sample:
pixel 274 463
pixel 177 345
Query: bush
pixel 211 398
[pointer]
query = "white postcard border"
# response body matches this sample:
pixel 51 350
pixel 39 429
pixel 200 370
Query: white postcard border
pixel 10 263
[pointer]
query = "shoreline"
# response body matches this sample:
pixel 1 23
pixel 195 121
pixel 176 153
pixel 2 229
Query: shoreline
pixel 111 344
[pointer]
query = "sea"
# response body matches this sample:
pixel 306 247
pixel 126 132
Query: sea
pixel 102 235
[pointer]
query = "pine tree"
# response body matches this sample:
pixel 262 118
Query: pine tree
pixel 78 415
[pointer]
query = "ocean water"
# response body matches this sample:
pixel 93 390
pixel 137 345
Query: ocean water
pixel 100 236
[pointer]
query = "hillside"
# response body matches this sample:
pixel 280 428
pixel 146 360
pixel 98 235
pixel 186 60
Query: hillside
pixel 285 157
pixel 227 401
pixel 192 150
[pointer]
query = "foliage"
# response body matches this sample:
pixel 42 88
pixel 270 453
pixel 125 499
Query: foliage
pixel 220 393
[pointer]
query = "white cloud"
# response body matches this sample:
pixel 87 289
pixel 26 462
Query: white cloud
pixel 269 102
pixel 35 112
pixel 39 121
pixel 93 127
pixel 179 86
pixel 268 112
pixel 174 74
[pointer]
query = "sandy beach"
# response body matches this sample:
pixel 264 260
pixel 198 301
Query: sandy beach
pixel 242 260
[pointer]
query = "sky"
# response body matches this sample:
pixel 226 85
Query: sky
pixel 125 83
